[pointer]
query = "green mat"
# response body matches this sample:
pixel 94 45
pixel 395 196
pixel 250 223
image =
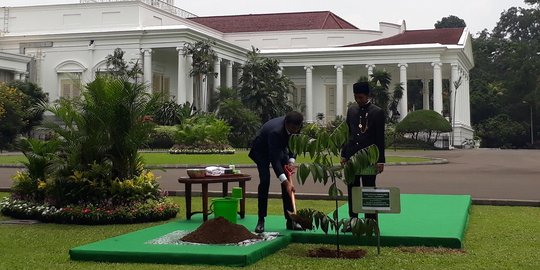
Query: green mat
pixel 428 220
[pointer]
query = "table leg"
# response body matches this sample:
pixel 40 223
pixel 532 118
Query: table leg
pixel 225 189
pixel 188 200
pixel 242 185
pixel 205 201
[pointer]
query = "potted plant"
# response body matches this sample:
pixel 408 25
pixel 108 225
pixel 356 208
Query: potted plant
pixel 324 147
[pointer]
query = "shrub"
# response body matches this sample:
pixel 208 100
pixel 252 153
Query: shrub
pixel 203 131
pixel 424 121
pixel 162 137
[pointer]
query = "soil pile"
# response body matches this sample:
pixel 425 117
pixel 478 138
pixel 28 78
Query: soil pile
pixel 219 231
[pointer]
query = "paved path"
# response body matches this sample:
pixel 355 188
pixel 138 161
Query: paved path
pixel 482 173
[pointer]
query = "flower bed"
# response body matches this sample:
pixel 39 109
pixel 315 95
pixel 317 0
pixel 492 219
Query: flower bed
pixel 180 149
pixel 150 210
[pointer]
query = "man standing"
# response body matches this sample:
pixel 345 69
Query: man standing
pixel 271 146
pixel 366 127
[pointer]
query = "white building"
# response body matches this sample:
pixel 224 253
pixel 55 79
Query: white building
pixel 58 45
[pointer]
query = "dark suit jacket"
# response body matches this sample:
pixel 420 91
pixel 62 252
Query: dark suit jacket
pixel 373 135
pixel 271 145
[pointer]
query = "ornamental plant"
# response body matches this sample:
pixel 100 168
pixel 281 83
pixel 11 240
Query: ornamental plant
pixel 324 147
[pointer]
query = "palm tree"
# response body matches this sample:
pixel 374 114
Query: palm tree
pixel 202 65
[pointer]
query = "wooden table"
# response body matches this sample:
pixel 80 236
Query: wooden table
pixel 224 180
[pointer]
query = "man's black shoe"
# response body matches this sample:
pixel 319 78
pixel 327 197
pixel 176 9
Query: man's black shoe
pixel 293 226
pixel 260 226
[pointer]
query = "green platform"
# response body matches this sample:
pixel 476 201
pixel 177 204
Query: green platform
pixel 428 220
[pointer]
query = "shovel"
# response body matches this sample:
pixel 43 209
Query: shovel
pixel 289 172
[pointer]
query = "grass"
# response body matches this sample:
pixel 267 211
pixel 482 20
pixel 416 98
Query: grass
pixel 497 238
pixel 240 157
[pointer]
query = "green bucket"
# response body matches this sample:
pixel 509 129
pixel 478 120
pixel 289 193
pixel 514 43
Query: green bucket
pixel 225 207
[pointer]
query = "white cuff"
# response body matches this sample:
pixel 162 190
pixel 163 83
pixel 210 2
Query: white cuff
pixel 282 178
pixel 292 160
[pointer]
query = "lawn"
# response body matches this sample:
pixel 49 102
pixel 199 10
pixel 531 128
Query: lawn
pixel 240 157
pixel 497 238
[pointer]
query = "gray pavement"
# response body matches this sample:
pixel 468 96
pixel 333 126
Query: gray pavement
pixel 485 174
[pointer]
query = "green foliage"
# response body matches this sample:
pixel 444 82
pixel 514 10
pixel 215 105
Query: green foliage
pixel 263 89
pixel 119 68
pixel 161 137
pixel 506 75
pixel 34 95
pixel 323 147
pixel 424 121
pixel 203 56
pixel 203 131
pixel 40 155
pixel 18 110
pixel 244 122
pixel 450 22
pixel 311 219
pixel 502 131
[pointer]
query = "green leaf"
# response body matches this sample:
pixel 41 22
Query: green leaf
pixel 324 224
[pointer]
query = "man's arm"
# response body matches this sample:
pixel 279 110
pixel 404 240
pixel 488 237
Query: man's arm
pixel 276 152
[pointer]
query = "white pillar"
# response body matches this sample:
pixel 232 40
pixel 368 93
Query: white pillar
pixel 425 94
pixel 467 101
pixel 403 103
pixel 217 70
pixel 339 90
pixel 370 68
pixel 181 89
pixel 437 87
pixel 17 76
pixel 147 69
pixel 204 93
pixel 454 103
pixel 229 71
pixel 189 80
pixel 309 93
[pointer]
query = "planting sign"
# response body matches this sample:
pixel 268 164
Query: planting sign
pixel 375 200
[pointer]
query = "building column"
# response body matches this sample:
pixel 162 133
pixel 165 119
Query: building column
pixel 425 94
pixel 189 80
pixel 17 75
pixel 181 90
pixel 217 70
pixel 309 93
pixel 403 103
pixel 370 68
pixel 204 93
pixel 437 87
pixel 147 69
pixel 467 102
pixel 454 97
pixel 339 90
pixel 228 74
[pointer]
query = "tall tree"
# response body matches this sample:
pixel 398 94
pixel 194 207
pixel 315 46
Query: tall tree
pixel 202 65
pixel 450 22
pixel 264 89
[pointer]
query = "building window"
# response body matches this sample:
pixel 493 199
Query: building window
pixel 70 85
pixel 299 99
pixel 161 85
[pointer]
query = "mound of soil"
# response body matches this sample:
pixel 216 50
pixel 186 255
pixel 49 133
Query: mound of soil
pixel 219 231
pixel 332 253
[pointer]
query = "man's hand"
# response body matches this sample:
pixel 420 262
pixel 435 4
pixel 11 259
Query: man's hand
pixel 290 169
pixel 289 187
pixel 380 167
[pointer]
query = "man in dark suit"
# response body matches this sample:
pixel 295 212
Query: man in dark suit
pixel 366 127
pixel 271 146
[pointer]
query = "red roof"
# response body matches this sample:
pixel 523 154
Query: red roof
pixel 275 22
pixel 443 36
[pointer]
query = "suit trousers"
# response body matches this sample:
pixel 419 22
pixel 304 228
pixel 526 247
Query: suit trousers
pixel 264 186
pixel 367 181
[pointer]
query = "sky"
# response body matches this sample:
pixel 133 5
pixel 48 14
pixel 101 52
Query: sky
pixel 366 15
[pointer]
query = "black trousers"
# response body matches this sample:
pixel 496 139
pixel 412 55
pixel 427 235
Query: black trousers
pixel 367 181
pixel 264 186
